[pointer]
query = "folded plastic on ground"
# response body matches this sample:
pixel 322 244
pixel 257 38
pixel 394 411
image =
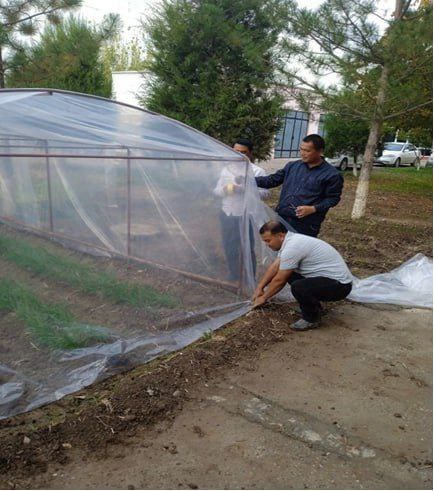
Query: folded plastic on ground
pixel 409 285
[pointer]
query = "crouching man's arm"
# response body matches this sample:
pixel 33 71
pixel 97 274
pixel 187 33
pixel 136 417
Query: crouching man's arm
pixel 275 278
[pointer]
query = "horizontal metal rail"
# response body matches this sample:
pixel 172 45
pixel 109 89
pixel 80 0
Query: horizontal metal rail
pixel 125 157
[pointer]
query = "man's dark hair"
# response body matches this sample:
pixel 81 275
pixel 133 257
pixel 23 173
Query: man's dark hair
pixel 246 142
pixel 274 227
pixel 317 141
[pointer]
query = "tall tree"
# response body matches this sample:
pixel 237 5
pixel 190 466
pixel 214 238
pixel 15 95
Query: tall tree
pixel 378 68
pixel 345 135
pixel 20 18
pixel 213 64
pixel 67 57
pixel 119 55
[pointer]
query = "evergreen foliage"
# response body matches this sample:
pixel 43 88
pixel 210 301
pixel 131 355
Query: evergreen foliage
pixel 344 134
pixel 213 64
pixel 384 75
pixel 341 37
pixel 66 57
pixel 21 18
pixel 120 56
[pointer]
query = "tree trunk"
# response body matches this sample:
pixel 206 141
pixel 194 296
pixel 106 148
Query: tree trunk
pixel 2 71
pixel 362 191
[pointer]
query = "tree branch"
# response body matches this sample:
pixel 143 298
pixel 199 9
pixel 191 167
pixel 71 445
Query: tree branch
pixel 30 17
pixel 408 109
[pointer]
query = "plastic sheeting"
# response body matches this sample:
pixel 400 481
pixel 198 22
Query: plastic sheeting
pixel 111 179
pixel 409 285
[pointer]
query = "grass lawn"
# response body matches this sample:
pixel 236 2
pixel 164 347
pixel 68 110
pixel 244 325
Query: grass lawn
pixel 402 180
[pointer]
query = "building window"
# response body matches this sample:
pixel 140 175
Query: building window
pixel 321 130
pixel 292 130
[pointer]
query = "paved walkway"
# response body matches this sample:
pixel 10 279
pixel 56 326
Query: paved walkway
pixel 345 406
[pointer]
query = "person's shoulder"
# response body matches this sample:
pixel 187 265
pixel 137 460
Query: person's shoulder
pixel 330 169
pixel 294 163
pixel 294 239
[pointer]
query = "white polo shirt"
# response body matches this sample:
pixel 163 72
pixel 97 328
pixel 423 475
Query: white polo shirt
pixel 312 257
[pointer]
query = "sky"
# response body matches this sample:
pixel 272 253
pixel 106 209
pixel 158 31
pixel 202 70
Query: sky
pixel 132 10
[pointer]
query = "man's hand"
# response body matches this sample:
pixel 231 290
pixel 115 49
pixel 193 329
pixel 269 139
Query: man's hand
pixel 259 301
pixel 233 189
pixel 304 211
pixel 258 293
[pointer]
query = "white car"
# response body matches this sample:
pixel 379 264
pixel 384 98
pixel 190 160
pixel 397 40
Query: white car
pixel 344 161
pixel 399 153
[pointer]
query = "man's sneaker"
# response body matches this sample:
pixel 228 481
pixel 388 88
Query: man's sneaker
pixel 303 325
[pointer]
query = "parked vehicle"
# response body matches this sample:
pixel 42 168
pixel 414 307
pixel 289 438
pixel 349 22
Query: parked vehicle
pixel 429 161
pixel 424 154
pixel 344 161
pixel 399 153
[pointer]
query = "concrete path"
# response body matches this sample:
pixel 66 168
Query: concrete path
pixel 345 406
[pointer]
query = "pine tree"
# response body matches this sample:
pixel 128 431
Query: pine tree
pixel 213 64
pixel 345 135
pixel 382 70
pixel 67 57
pixel 20 18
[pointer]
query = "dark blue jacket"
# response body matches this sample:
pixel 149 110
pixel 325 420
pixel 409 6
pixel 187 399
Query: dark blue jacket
pixel 320 186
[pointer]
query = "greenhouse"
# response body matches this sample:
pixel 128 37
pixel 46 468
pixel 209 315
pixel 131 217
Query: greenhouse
pixel 116 181
pixel 112 246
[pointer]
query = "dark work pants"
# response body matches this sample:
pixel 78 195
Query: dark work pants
pixel 300 226
pixel 230 226
pixel 310 291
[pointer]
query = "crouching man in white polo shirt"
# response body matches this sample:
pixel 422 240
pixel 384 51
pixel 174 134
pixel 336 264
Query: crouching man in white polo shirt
pixel 314 269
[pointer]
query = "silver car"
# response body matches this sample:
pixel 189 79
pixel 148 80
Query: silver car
pixel 399 153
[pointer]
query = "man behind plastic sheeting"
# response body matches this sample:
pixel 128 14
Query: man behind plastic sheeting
pixel 310 187
pixel 314 269
pixel 230 187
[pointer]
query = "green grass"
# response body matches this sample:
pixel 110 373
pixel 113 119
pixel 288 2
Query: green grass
pixel 59 268
pixel 404 180
pixel 51 324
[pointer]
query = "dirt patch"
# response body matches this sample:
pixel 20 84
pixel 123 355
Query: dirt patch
pixel 110 411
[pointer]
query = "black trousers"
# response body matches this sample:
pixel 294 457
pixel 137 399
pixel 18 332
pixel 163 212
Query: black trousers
pixel 300 226
pixel 310 291
pixel 230 226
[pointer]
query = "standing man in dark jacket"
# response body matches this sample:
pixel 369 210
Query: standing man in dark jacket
pixel 310 187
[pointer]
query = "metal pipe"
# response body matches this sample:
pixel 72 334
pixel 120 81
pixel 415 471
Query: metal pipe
pixel 128 203
pixel 119 157
pixel 50 201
